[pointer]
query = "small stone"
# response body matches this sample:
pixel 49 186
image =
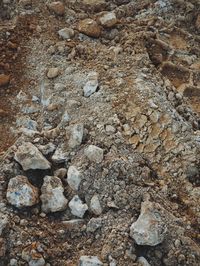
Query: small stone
pixel 89 261
pixel 31 255
pixel 73 177
pixel 66 33
pixel 94 224
pixel 95 206
pixel 53 72
pixel 3 222
pixel 76 136
pixel 21 193
pixel 73 224
pixel 31 158
pixel 143 262
pixel 149 229
pixel 91 85
pixel 108 19
pixel 2 247
pixel 110 129
pixel 89 27
pixel 52 196
pixel 197 24
pixel 46 149
pixel 94 153
pixel 61 155
pixel 57 7
pixel 13 262
pixel 4 80
pixel 61 173
pixel 78 208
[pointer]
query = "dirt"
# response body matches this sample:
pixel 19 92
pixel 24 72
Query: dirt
pixel 148 65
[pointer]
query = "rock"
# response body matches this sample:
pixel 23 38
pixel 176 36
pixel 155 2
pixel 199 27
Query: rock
pixel 89 261
pixel 57 7
pixel 149 229
pixel 2 247
pixel 91 85
pixel 143 262
pixel 52 196
pixel 89 27
pixel 31 255
pixel 13 262
pixel 31 158
pixel 66 33
pixel 61 155
pixel 53 72
pixel 73 224
pixel 94 153
pixel 94 224
pixel 4 80
pixel 46 149
pixel 94 2
pixel 197 24
pixel 78 208
pixel 3 222
pixel 21 193
pixel 110 129
pixel 76 136
pixel 73 177
pixel 95 206
pixel 61 173
pixel 108 19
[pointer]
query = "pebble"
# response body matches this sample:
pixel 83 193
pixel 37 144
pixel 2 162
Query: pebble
pixel 95 206
pixel 143 262
pixel 21 193
pixel 89 27
pixel 149 229
pixel 13 262
pixel 89 261
pixel 53 72
pixel 74 177
pixel 4 80
pixel 91 85
pixel 32 256
pixel 30 157
pixel 108 19
pixel 78 208
pixel 94 224
pixel 94 153
pixel 61 173
pixel 66 33
pixel 76 136
pixel 3 222
pixel 61 155
pixel 52 196
pixel 57 7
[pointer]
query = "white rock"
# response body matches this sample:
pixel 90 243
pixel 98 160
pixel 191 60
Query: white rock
pixel 108 19
pixel 52 196
pixel 73 177
pixel 31 158
pixel 76 136
pixel 94 224
pixel 149 229
pixel 95 206
pixel 91 85
pixel 46 149
pixel 53 72
pixel 143 262
pixel 78 208
pixel 61 155
pixel 89 261
pixel 13 262
pixel 37 262
pixel 66 33
pixel 94 153
pixel 3 222
pixel 21 193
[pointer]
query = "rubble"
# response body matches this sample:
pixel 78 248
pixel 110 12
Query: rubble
pixel 89 261
pixel 108 19
pixel 78 208
pixel 94 153
pixel 89 27
pixel 95 206
pixel 74 177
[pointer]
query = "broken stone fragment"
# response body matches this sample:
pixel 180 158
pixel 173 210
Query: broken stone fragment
pixel 108 19
pixel 4 80
pixel 53 72
pixel 149 229
pixel 66 33
pixel 89 27
pixel 73 177
pixel 78 208
pixel 143 262
pixel 3 222
pixel 89 261
pixel 21 193
pixel 95 206
pixel 94 153
pixel 91 85
pixel 52 196
pixel 76 136
pixel 94 224
pixel 60 155
pixel 57 7
pixel 31 158
pixel 31 255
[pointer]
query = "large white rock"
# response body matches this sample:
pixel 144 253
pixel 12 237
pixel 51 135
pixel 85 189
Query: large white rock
pixel 76 136
pixel 94 153
pixel 108 19
pixel 31 158
pixel 78 208
pixel 91 85
pixel 21 193
pixel 52 196
pixel 73 177
pixel 89 261
pixel 149 229
pixel 95 206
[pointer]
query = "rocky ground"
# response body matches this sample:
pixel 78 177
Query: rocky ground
pixel 99 132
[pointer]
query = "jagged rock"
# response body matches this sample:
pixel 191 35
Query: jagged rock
pixel 73 224
pixel 57 7
pixel 73 177
pixel 149 229
pixel 31 158
pixel 21 193
pixel 89 261
pixel 3 222
pixel 91 85
pixel 46 149
pixel 89 27
pixel 66 33
pixel 95 206
pixel 60 155
pixel 94 153
pixel 76 136
pixel 94 224
pixel 52 196
pixel 78 208
pixel 108 19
